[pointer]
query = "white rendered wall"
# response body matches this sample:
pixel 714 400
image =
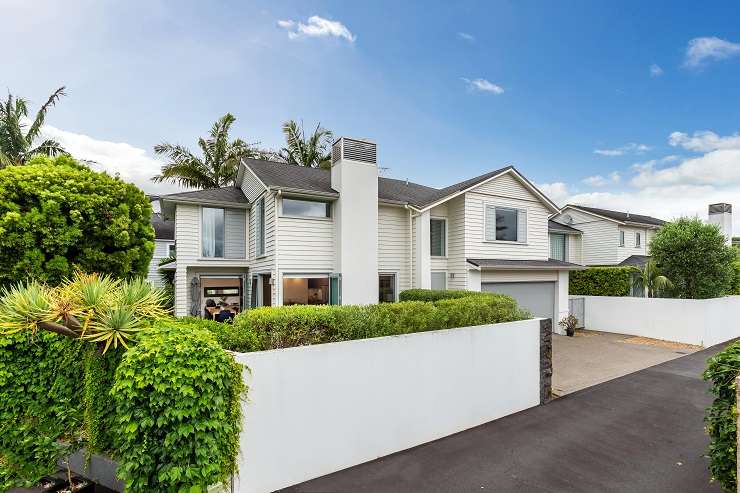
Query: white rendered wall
pixel 423 264
pixel 356 222
pixel 313 410
pixel 561 300
pixel 724 221
pixel 701 322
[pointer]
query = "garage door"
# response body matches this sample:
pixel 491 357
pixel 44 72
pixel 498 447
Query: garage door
pixel 536 297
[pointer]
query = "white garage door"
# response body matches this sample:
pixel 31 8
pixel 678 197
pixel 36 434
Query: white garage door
pixel 536 297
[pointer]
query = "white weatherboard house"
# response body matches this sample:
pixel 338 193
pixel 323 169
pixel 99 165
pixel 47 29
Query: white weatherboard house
pixel 609 237
pixel 164 246
pixel 288 235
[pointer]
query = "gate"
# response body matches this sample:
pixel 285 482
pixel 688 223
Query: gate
pixel 576 306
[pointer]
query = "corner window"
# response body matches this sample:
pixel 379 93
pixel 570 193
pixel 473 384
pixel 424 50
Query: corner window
pixel 260 227
pixel 505 224
pixel 638 240
pixel 621 238
pixel 439 280
pixel 438 237
pixel 212 232
pixel 387 288
pixel 306 208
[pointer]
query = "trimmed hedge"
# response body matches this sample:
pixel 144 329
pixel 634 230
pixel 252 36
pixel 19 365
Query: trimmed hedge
pixel 287 326
pixel 601 281
pixel 720 417
pixel 178 416
pixel 434 294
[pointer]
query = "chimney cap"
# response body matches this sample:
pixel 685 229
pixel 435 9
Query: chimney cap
pixel 720 208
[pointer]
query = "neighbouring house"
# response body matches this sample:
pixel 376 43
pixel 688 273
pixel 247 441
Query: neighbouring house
pixel 164 246
pixel 287 235
pixel 609 237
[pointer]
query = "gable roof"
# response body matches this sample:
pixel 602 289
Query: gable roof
pixel 622 217
pixel 562 228
pixel 231 195
pixel 317 180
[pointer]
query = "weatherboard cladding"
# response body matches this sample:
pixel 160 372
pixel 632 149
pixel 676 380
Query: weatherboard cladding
pixel 623 216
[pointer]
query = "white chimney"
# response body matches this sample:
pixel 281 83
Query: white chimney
pixel 721 215
pixel 354 174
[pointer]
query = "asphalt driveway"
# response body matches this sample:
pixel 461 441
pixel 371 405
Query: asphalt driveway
pixel 639 433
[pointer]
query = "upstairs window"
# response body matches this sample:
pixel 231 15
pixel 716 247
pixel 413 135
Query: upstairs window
pixel 171 250
pixel 557 246
pixel 306 208
pixel 260 227
pixel 438 237
pixel 212 232
pixel 505 224
pixel 638 240
pixel 621 238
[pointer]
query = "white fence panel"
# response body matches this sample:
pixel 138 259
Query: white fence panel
pixel 313 410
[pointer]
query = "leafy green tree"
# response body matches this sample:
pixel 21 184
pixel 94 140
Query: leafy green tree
pixel 18 145
pixel 651 280
pixel 313 151
pixel 694 256
pixel 218 166
pixel 57 215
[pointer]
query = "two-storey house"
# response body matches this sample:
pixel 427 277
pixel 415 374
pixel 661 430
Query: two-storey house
pixel 610 237
pixel 288 235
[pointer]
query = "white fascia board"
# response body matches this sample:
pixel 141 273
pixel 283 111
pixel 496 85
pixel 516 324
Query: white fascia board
pixel 575 207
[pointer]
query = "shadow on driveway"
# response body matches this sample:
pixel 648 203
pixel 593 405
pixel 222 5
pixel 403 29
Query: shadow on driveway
pixel 643 432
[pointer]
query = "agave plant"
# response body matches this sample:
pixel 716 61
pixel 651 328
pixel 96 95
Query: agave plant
pixel 92 307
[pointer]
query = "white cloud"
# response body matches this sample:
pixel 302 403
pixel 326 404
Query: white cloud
pixel 483 85
pixel 317 27
pixel 466 36
pixel 557 192
pixel 615 177
pixel 704 141
pixel 702 50
pixel 713 168
pixel 595 181
pixel 131 163
pixel 655 70
pixel 631 148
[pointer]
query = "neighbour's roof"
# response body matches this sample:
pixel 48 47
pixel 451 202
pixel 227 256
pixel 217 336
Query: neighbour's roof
pixel 505 264
pixel 224 194
pixel 562 228
pixel 635 261
pixel 281 175
pixel 625 217
pixel 163 229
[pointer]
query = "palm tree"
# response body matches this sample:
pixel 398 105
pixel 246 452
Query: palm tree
pixel 650 279
pixel 218 166
pixel 312 152
pixel 17 147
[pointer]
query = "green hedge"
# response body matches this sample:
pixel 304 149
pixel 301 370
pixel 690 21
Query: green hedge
pixel 177 397
pixel 721 416
pixel 279 327
pixel 434 294
pixel 735 289
pixel 601 281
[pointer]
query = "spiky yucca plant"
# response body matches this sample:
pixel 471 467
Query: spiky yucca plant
pixel 93 307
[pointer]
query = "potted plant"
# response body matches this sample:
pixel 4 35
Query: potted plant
pixel 569 323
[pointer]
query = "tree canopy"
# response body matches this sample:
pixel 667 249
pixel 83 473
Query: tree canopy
pixel 313 151
pixel 56 215
pixel 216 168
pixel 18 145
pixel 694 256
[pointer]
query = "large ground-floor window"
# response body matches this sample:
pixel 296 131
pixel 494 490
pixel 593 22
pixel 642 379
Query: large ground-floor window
pixel 221 297
pixel 308 289
pixel 387 288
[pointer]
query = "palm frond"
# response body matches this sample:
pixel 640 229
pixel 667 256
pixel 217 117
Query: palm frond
pixel 41 115
pixel 48 147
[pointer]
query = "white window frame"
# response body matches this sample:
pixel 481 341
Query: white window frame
pixel 487 205
pixel 302 275
pixel 310 218
pixel 438 218
pixel 171 250
pixel 621 237
pixel 638 239
pixel 200 235
pixel 395 283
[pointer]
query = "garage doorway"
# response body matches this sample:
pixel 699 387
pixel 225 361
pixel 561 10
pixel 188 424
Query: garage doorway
pixel 536 297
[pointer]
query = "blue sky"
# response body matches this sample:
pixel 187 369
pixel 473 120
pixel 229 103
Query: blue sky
pixel 630 105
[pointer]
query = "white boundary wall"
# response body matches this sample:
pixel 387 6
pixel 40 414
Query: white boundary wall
pixel 313 410
pixel 702 322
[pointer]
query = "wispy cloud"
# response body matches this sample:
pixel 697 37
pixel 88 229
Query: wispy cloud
pixel 655 70
pixel 316 27
pixel 631 148
pixel 467 37
pixel 483 85
pixel 703 50
pixel 704 141
pixel 600 181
